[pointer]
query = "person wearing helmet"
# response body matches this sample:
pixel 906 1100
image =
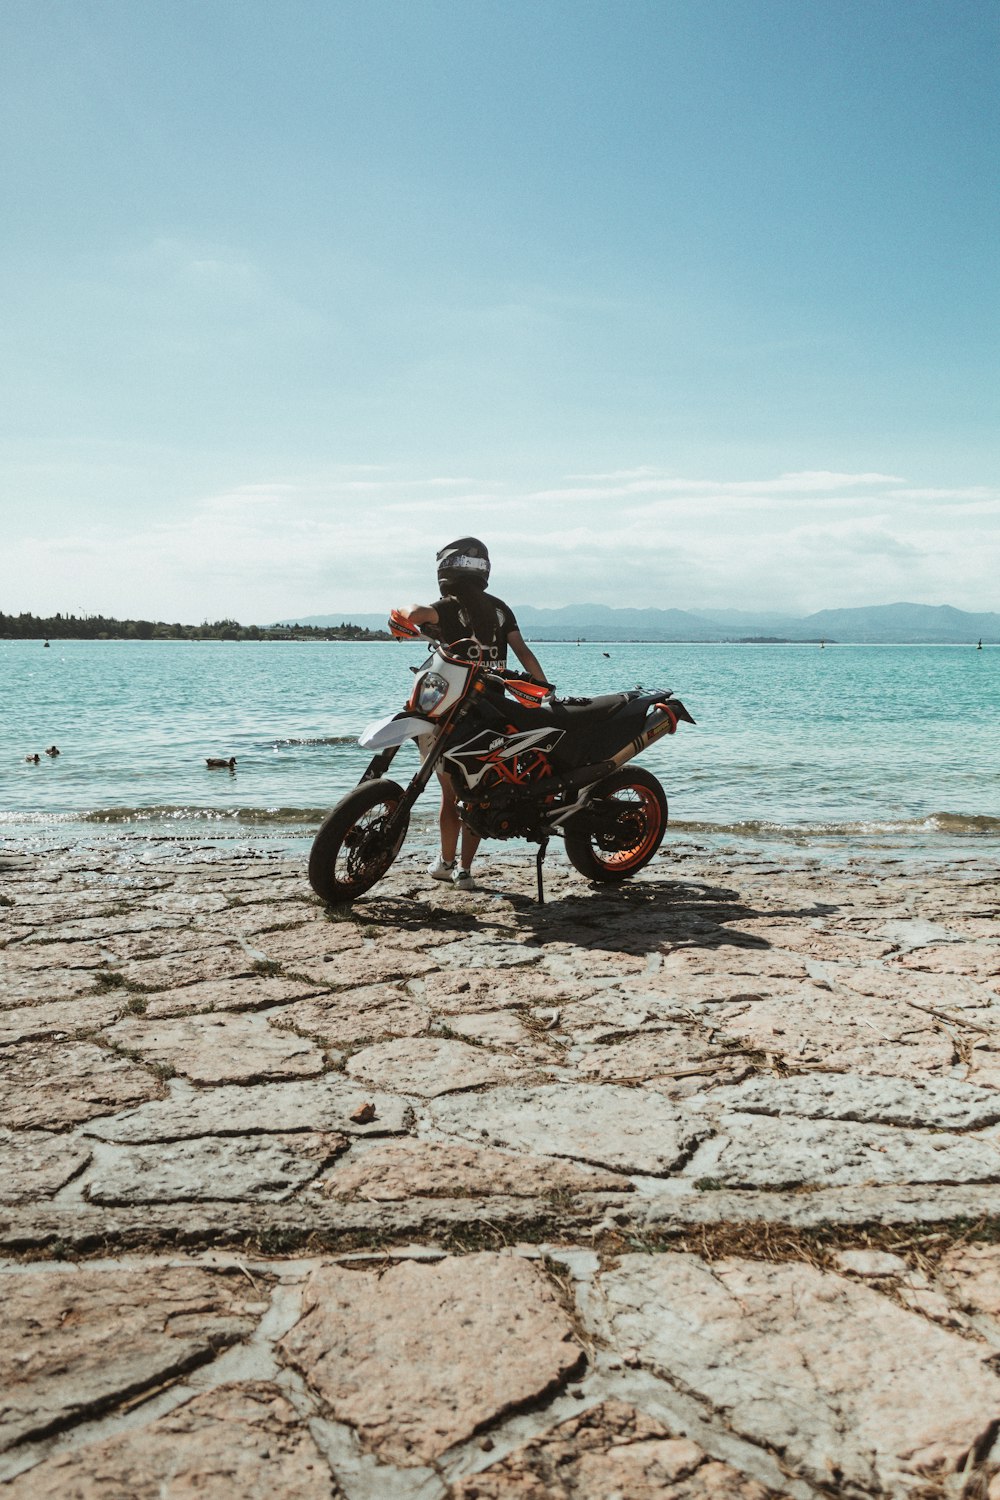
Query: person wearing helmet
pixel 486 626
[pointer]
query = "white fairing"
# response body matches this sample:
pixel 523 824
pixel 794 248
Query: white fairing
pixel 392 731
pixel 454 673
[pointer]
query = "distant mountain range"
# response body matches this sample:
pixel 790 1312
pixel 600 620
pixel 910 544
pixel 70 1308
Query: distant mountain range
pixel 918 624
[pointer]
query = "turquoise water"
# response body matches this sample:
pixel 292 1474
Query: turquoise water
pixel 883 743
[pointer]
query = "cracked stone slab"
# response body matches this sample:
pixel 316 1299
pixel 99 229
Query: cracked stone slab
pixel 243 1441
pixel 758 1151
pixel 842 1389
pixel 871 1263
pixel 77 1341
pixel 698 992
pixel 667 1052
pixel 36 1164
pixel 483 949
pixel 319 942
pixel 250 921
pixel 38 986
pixel 192 903
pixel 628 1130
pixel 369 965
pixel 427 1066
pixel 505 1030
pixel 35 905
pixel 984 1067
pixel 610 1452
pixel 324 1104
pixel 982 925
pixel 251 992
pixel 900 986
pixel 221 1048
pixel 258 1169
pixel 419 1357
pixel 704 1202
pixel 62 1083
pixel 914 932
pixel 825 944
pixel 371 1014
pixel 461 991
pixel 611 1013
pixel 200 961
pixel 170 943
pixel 929 1103
pixel 971 1276
pixel 835 1033
pixel 750 960
pixel 979 961
pixel 28 957
pixel 395 1170
pixel 590 960
pixel 60 1018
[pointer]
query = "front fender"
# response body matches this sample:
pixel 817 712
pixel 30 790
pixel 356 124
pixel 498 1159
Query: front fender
pixel 393 730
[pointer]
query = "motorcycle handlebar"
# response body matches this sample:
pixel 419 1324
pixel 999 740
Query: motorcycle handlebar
pixel 403 629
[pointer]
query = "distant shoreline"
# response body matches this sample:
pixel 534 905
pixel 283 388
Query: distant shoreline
pixel 106 628
pixel 264 636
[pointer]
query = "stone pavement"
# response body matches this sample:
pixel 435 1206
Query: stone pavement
pixel 687 1189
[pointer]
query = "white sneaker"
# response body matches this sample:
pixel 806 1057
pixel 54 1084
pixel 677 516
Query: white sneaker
pixel 441 869
pixel 463 881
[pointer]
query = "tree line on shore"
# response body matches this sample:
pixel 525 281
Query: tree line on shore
pixel 62 627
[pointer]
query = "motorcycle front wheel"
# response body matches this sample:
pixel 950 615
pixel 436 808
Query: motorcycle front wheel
pixel 627 839
pixel 354 846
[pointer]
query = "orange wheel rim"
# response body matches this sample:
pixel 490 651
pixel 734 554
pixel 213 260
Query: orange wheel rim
pixel 648 808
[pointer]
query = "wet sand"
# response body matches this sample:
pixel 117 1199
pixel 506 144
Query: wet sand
pixel 687 1188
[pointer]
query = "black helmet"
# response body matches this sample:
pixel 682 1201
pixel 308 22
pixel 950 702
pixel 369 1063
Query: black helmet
pixel 462 563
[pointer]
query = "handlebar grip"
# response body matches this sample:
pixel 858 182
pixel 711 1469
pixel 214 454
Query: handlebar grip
pixel 401 628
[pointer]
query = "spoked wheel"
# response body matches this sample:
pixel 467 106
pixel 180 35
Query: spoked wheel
pixel 355 845
pixel 630 819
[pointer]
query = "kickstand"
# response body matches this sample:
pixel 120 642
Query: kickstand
pixel 538 870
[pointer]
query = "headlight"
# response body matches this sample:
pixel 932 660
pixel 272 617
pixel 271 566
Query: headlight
pixel 432 690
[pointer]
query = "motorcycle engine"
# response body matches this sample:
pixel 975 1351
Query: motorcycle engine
pixel 502 816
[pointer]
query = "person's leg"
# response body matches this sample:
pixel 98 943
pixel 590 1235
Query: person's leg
pixel 470 844
pixel 449 822
pixel 451 825
pixel 443 868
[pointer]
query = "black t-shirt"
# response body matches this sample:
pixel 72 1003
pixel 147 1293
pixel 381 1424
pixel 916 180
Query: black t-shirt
pixel 455 624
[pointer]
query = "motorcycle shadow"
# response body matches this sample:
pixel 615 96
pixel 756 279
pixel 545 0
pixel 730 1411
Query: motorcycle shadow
pixel 638 918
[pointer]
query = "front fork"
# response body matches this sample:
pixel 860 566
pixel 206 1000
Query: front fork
pixel 428 766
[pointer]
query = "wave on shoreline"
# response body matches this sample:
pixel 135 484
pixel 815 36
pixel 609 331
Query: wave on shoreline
pixel 299 820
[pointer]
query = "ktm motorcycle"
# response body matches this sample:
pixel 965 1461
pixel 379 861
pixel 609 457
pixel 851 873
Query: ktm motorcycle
pixel 524 764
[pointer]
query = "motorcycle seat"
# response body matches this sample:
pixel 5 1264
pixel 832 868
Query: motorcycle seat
pixel 579 713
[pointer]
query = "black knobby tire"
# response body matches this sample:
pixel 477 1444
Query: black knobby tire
pixel 352 850
pixel 634 835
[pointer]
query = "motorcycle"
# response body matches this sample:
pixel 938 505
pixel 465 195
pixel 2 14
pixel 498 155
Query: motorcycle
pixel 523 762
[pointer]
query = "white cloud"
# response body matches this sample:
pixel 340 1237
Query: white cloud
pixel 362 539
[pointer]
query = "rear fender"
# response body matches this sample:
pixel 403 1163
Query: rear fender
pixel 675 707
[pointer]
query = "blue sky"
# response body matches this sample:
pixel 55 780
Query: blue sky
pixel 678 302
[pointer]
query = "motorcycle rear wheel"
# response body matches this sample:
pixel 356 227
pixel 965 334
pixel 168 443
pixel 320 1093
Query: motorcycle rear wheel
pixel 353 849
pixel 641 807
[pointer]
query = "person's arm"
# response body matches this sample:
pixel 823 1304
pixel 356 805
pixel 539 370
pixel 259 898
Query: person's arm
pixel 413 621
pixel 420 614
pixel 525 655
